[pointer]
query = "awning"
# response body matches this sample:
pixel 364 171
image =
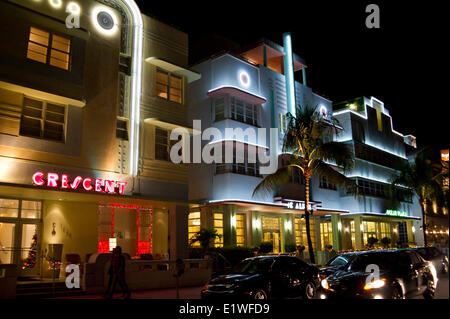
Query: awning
pixel 261 207
pixel 370 214
pixel 173 68
pixel 237 92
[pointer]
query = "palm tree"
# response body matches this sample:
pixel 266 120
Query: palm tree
pixel 205 237
pixel 418 177
pixel 306 143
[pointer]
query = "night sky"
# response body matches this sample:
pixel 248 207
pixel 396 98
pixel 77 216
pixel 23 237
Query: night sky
pixel 400 63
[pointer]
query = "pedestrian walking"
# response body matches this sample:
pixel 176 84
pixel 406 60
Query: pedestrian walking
pixel 117 275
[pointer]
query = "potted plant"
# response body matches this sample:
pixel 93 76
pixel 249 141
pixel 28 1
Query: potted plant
pixel 371 241
pixel 385 241
pixel 266 247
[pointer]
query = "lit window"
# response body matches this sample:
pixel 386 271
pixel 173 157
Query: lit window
pixel 218 226
pixel 326 234
pixel 49 48
pixel 300 232
pixel 244 168
pixel 193 227
pixel 43 119
pixel 240 229
pixel 169 86
pixel 282 123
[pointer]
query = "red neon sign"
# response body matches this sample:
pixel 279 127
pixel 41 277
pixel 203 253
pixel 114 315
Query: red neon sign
pixel 88 184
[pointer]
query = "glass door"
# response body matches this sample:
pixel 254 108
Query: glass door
pixel 271 231
pixel 20 222
pixel 7 233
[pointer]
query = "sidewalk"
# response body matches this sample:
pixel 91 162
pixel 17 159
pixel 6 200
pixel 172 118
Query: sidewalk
pixel 169 293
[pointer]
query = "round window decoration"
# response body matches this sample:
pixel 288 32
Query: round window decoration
pixel 244 79
pixel 105 20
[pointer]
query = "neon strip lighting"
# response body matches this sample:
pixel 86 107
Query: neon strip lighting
pixel 365 116
pixel 126 206
pixel 244 201
pixel 377 214
pixel 237 88
pixel 237 141
pixel 332 209
pixel 136 83
pixel 289 73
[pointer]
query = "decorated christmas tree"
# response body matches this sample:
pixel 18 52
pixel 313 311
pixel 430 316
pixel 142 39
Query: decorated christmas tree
pixel 30 262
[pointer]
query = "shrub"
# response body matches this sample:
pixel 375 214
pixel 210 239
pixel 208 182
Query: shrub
pixel 372 241
pixel 265 247
pixel 290 248
pixel 385 241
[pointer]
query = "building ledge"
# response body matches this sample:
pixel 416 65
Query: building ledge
pixel 175 69
pixel 59 99
pixel 237 92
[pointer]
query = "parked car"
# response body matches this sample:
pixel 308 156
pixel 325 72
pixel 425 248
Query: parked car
pixel 402 274
pixel 435 255
pixel 266 277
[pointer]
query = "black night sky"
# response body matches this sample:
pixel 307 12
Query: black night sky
pixel 400 63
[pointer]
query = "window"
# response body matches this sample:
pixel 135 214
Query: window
pixel 245 168
pixel 49 48
pixel 218 226
pixel 244 112
pixel 163 144
pixel 193 227
pixel 121 129
pixel 300 232
pixel 325 184
pixel 169 86
pixel 31 209
pixel 43 120
pixel 353 236
pixel 219 109
pixel 240 229
pixel 9 208
pixel 358 132
pixel 296 174
pixel 326 234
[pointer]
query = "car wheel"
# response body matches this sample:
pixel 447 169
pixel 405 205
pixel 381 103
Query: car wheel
pixel 429 293
pixel 309 291
pixel 396 293
pixel 260 294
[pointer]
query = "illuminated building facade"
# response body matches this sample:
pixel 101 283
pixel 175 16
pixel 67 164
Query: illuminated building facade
pixel 377 147
pixel 88 92
pixel 250 90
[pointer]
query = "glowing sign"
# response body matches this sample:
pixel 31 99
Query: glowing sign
pixel 323 111
pixel 444 155
pixel 53 180
pixel 244 79
pixel 105 20
pixel 396 213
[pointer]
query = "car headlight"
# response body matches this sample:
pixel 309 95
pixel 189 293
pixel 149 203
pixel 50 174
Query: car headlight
pixel 324 284
pixel 375 284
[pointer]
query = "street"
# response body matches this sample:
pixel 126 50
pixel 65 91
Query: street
pixel 442 292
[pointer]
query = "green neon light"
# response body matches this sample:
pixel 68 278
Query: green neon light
pixel 396 213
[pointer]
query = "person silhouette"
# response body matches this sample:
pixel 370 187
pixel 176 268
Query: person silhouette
pixel 117 275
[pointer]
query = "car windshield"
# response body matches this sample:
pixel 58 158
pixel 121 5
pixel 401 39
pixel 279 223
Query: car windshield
pixel 253 266
pixel 428 253
pixel 339 261
pixel 383 260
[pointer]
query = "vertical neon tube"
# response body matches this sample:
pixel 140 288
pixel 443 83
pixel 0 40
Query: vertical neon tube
pixel 289 73
pixel 136 84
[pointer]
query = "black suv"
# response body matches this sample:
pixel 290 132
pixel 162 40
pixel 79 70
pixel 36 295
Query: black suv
pixel 266 277
pixel 378 274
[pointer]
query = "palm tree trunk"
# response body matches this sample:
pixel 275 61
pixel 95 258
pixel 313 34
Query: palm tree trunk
pixel 424 224
pixel 308 234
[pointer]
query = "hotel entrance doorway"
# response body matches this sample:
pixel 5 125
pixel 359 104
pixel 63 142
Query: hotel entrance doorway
pixel 271 232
